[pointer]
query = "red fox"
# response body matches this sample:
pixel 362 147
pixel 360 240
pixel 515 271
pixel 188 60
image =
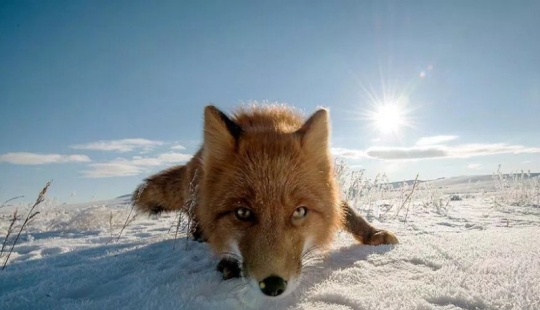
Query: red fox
pixel 262 192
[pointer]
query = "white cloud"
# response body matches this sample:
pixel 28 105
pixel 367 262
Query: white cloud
pixel 178 147
pixel 470 150
pixel 123 145
pixel 24 158
pixel 348 153
pixel 174 157
pixel 474 166
pixel 435 151
pixel 396 153
pixel 433 140
pixel 105 170
pixel 134 166
pixel 161 159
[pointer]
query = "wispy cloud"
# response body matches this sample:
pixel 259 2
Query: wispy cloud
pixel 123 145
pixel 470 150
pixel 23 158
pixel 433 140
pixel 134 166
pixel 348 153
pixel 457 151
pixel 474 166
pixel 178 147
pixel 435 151
pixel 169 158
pixel 106 170
pixel 397 153
pixel 161 159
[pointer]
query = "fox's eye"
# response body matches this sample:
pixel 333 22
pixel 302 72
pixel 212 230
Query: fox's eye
pixel 299 213
pixel 244 214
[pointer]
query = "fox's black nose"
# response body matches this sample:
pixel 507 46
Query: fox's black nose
pixel 273 286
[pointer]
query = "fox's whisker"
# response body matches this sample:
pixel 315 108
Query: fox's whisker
pixel 239 287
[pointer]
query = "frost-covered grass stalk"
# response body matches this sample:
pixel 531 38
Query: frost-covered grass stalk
pixel 6 203
pixel 381 199
pixel 111 225
pixel 10 229
pixel 517 189
pixel 31 214
pixel 128 220
pixel 361 191
pixel 189 205
pixel 12 222
pixel 376 198
pixel 407 197
pixel 433 198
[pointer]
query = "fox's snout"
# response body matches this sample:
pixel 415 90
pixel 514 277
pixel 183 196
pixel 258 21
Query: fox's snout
pixel 272 263
pixel 272 285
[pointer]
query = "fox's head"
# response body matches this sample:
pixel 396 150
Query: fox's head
pixel 267 194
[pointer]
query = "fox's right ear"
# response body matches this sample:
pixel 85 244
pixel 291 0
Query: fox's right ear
pixel 221 134
pixel 315 132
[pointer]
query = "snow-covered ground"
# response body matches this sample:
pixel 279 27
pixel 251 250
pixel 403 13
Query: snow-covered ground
pixel 477 254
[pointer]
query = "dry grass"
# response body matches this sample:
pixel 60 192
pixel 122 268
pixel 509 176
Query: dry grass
pixel 517 189
pixel 29 216
pixel 408 198
pixel 14 219
pixel 6 203
pixel 379 198
pixel 376 198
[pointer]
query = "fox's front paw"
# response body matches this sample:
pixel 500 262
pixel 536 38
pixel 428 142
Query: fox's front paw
pixel 230 268
pixel 380 236
pixel 197 235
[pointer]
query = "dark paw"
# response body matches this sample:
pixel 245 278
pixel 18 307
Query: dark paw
pixel 230 268
pixel 197 234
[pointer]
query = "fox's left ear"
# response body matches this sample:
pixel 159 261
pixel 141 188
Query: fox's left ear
pixel 315 132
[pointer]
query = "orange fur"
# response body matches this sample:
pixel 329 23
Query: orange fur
pixel 269 160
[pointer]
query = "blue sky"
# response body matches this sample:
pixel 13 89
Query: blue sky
pixel 98 95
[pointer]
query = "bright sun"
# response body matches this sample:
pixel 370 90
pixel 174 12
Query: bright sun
pixel 388 118
pixel 388 111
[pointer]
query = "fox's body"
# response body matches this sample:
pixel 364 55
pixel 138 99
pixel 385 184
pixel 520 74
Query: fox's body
pixel 262 192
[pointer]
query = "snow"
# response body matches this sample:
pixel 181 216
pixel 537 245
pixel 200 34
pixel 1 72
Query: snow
pixel 478 255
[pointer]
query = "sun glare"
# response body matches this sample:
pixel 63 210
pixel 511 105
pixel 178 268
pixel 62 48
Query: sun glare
pixel 388 118
pixel 387 111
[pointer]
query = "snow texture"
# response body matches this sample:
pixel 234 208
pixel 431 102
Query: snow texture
pixel 475 257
